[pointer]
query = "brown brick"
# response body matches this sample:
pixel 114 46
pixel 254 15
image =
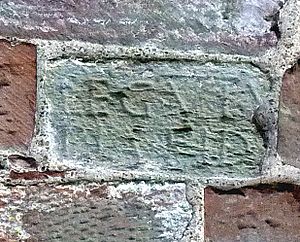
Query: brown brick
pixel 289 117
pixel 17 94
pixel 264 213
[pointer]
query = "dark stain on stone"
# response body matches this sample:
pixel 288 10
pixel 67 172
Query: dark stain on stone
pixel 226 118
pixel 246 226
pixel 232 192
pixel 274 24
pixel 99 191
pixel 4 82
pixel 2 204
pixel 118 94
pixel 272 223
pixel 35 175
pixel 4 112
pixel 183 129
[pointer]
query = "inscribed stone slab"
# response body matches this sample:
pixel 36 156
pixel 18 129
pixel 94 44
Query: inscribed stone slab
pixel 184 117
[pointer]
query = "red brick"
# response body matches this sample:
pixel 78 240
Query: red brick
pixel 17 94
pixel 264 213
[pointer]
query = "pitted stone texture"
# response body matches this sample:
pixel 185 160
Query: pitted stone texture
pixel 289 117
pixel 17 94
pixel 10 226
pixel 189 118
pixel 127 212
pixel 218 25
pixel 264 213
pixel 5 238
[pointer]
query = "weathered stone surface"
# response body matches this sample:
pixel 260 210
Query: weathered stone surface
pixel 95 212
pixel 289 118
pixel 218 25
pixel 5 238
pixel 158 116
pixel 262 214
pixel 35 175
pixel 17 94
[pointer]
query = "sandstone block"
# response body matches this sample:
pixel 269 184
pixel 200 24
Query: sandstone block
pixel 102 212
pixel 264 213
pixel 184 117
pixel 17 94
pixel 289 118
pixel 212 26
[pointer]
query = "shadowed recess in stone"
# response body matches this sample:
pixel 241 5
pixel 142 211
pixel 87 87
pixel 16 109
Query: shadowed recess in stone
pixel 289 117
pixel 264 213
pixel 230 26
pixel 183 117
pixel 128 212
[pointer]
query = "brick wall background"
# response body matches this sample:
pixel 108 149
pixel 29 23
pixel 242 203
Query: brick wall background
pixel 149 120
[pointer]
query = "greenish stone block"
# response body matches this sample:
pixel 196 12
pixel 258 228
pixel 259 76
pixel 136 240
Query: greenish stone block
pixel 174 117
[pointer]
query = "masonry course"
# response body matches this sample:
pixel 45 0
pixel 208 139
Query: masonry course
pixel 218 26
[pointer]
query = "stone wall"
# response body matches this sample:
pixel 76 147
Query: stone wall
pixel 150 120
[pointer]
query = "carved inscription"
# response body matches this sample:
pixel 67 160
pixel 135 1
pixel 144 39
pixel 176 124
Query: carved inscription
pixel 187 117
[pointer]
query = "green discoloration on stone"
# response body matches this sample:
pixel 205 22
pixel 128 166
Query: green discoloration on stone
pixel 183 117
